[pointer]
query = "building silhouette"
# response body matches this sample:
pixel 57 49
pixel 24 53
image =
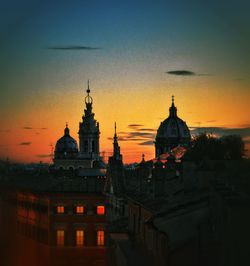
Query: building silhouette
pixel 67 155
pixel 171 133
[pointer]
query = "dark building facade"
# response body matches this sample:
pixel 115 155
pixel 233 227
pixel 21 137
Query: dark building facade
pixel 55 223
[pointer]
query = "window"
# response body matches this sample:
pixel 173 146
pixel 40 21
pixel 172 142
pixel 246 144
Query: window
pixel 60 209
pixel 79 209
pixel 100 209
pixel 60 237
pixel 100 238
pixel 79 238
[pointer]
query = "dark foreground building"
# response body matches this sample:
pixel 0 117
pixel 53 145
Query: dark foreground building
pixel 177 211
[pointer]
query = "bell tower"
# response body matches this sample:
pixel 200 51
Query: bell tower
pixel 89 133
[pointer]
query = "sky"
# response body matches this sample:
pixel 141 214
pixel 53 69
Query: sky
pixel 136 54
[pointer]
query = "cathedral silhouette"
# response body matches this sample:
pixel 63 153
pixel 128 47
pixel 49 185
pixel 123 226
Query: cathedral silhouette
pixel 173 132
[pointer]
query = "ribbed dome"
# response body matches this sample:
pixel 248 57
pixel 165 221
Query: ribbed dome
pixel 66 146
pixel 173 127
pixel 172 132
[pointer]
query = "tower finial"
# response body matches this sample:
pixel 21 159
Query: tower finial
pixel 66 124
pixel 173 109
pixel 115 128
pixel 88 98
pixel 88 89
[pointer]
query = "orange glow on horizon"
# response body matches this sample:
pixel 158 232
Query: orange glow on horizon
pixel 30 136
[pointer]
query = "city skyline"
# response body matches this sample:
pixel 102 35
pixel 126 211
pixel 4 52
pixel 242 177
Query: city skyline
pixel 136 57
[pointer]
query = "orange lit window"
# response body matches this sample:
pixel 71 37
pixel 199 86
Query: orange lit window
pixel 79 209
pixel 79 237
pixel 60 209
pixel 100 210
pixel 100 238
pixel 60 237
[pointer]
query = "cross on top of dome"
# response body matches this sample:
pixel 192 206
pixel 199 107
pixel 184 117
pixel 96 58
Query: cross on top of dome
pixel 66 130
pixel 88 98
pixel 173 109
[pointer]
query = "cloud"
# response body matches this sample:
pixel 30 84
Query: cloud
pixel 147 129
pixel 135 126
pixel 25 143
pixel 221 131
pixel 147 143
pixel 4 130
pixel 73 47
pixel 37 128
pixel 138 134
pixel 211 121
pixel 185 73
pixel 43 155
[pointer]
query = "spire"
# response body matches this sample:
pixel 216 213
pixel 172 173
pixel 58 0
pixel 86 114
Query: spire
pixel 173 109
pixel 115 130
pixel 116 148
pixel 66 130
pixel 115 137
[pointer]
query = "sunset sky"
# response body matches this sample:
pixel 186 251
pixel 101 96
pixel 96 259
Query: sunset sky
pixel 136 54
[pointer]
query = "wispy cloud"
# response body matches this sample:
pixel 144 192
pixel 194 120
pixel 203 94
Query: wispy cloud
pixel 73 47
pixel 185 73
pixel 211 121
pixel 43 155
pixel 27 143
pixel 147 143
pixel 134 126
pixel 144 136
pixel 36 128
pixel 221 131
pixel 147 129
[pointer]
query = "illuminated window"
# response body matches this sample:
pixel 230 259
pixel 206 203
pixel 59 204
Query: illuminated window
pixel 100 210
pixel 100 238
pixel 60 237
pixel 80 209
pixel 60 209
pixel 79 237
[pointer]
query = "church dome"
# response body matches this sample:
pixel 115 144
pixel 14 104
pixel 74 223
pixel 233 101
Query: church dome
pixel 172 132
pixel 66 146
pixel 173 127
